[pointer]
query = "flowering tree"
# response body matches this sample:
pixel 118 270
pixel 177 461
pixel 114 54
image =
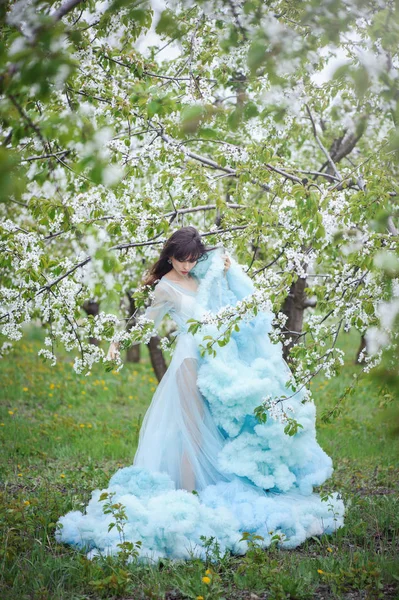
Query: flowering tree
pixel 271 127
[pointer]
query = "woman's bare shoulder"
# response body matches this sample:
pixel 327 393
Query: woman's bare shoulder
pixel 166 276
pixel 163 290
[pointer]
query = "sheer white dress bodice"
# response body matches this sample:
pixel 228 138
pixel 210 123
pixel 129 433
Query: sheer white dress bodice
pixel 178 434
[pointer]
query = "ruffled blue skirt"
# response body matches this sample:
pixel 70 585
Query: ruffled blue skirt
pixel 204 465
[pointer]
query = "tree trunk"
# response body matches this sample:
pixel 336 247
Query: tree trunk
pixel 363 346
pixel 91 308
pixel 296 302
pixel 157 358
pixel 133 353
pixel 294 306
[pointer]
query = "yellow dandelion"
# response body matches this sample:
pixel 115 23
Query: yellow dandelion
pixel 50 395
pixel 329 549
pixel 130 397
pixel 19 474
pixel 26 502
pixel 69 405
pixel 206 580
pixel 208 572
pixel 200 597
pixel 105 387
pixel 52 386
pixel 25 389
pixel 82 425
pixel 320 571
pixel 10 412
pixel 89 425
pixel 83 392
pixel 62 475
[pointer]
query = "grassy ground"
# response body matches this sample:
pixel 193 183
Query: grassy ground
pixel 62 435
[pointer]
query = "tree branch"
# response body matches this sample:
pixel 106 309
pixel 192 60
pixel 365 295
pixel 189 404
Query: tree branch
pixel 51 155
pixel 65 9
pixel 325 151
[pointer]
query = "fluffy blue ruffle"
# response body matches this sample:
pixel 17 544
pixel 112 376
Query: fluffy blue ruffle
pixel 234 383
pixel 170 522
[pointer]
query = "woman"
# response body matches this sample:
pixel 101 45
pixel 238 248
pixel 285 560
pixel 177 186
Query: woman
pixel 204 464
pixel 178 411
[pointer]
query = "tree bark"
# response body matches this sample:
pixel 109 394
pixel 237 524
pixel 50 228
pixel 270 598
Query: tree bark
pixel 92 308
pixel 133 353
pixel 362 347
pixel 157 358
pixel 294 306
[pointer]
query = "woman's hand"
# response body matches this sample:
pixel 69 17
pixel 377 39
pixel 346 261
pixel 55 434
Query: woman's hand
pixel 227 262
pixel 113 351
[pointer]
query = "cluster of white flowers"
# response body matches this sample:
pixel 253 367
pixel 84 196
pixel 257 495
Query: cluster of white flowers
pixel 12 330
pixel 374 360
pixel 235 153
pixel 297 261
pixel 24 15
pixel 92 354
pixel 334 212
pixel 166 345
pixel 48 355
pixel 276 409
pixel 102 321
pixel 5 348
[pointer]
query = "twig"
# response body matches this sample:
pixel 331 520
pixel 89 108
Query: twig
pixel 53 155
pixel 64 9
pixel 270 263
pixel 325 151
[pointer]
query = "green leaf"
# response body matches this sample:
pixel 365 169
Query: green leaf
pixel 167 25
pixel 256 55
pixel 234 119
pixel 153 107
pixel 190 118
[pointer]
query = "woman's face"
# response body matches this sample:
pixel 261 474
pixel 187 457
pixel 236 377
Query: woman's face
pixel 183 267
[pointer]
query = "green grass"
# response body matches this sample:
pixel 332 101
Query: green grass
pixel 63 434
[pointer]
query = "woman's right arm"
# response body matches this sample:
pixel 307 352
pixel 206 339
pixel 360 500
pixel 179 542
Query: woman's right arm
pixel 158 308
pixel 161 305
pixel 113 351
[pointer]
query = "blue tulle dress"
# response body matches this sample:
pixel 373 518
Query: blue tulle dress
pixel 204 465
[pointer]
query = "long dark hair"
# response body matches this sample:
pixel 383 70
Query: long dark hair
pixel 183 244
